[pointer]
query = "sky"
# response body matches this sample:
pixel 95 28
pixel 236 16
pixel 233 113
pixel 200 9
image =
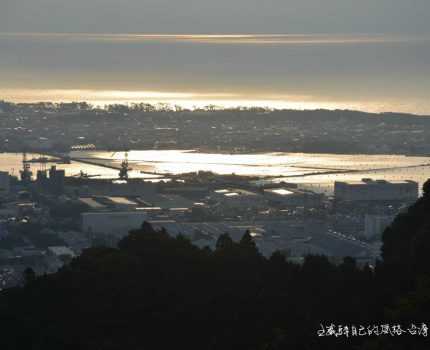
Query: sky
pixel 352 54
pixel 220 16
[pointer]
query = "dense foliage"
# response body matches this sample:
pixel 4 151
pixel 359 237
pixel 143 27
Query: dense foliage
pixel 159 292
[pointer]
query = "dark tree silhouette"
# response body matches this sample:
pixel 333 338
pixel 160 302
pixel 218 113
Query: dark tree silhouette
pixel 29 275
pixel 224 241
pixel 159 292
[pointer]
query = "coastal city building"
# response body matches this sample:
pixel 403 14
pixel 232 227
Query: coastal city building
pixel 376 190
pixel 4 183
pixel 290 197
pixel 56 204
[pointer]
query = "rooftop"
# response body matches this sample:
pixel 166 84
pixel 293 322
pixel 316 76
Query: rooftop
pixel 91 202
pixel 121 201
pixel 234 192
pixel 280 191
pixel 114 213
pixel 376 182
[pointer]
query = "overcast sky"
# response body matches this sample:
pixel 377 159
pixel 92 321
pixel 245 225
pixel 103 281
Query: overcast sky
pixel 216 16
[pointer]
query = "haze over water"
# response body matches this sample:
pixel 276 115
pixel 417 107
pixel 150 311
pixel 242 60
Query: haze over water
pixel 363 72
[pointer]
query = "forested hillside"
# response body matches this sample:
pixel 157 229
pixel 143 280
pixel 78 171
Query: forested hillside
pixel 159 292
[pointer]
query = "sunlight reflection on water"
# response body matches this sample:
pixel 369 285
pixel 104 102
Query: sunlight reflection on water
pixel 305 168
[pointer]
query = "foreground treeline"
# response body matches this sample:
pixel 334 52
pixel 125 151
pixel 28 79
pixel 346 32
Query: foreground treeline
pixel 159 292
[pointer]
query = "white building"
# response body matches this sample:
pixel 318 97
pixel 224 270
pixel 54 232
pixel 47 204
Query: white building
pixel 122 203
pixel 112 223
pixel 376 190
pixel 294 197
pixel 239 198
pixel 92 203
pixel 4 183
pixel 375 225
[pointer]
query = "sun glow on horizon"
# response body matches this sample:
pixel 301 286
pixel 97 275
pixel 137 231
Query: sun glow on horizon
pixel 196 100
pixel 269 39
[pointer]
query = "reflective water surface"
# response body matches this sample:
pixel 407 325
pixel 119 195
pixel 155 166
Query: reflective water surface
pixel 365 72
pixel 307 168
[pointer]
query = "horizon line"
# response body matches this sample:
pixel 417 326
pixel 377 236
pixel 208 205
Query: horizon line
pixel 234 38
pixel 212 107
